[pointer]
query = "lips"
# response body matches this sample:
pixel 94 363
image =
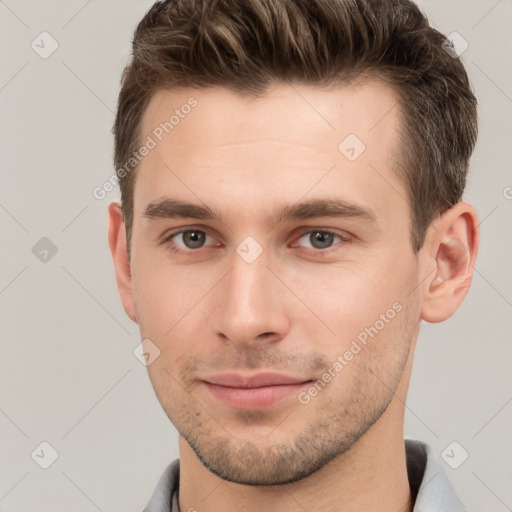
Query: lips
pixel 235 380
pixel 253 392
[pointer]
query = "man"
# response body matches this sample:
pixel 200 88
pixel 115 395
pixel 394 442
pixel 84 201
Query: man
pixel 291 175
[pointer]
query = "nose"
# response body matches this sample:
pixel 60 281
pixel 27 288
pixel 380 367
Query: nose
pixel 250 305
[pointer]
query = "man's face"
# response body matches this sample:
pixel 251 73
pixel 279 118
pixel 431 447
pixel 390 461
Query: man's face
pixel 231 298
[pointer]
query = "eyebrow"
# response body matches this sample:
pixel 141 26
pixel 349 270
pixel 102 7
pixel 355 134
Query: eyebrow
pixel 171 208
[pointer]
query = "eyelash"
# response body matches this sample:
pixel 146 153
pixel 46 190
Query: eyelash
pixel 185 251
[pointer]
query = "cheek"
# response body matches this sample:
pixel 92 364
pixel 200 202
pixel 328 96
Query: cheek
pixel 366 363
pixel 155 288
pixel 168 301
pixel 349 298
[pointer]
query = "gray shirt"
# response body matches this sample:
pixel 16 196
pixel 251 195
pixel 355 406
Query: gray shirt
pixel 429 484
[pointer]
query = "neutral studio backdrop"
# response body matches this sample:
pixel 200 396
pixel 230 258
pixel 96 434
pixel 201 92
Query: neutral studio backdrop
pixel 68 375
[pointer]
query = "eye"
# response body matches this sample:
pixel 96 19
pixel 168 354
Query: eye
pixel 189 239
pixel 318 239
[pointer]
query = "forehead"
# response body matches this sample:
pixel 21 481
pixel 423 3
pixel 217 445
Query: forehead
pixel 230 149
pixel 225 116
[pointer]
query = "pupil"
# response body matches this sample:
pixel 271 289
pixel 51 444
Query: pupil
pixel 321 240
pixel 194 239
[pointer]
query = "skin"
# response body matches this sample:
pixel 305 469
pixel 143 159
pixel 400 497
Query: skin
pixel 298 306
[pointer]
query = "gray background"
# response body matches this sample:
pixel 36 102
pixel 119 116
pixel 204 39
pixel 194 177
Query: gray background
pixel 68 375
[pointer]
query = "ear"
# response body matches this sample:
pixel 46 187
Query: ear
pixel 451 246
pixel 117 242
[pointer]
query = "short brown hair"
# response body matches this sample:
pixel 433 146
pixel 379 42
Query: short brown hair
pixel 248 45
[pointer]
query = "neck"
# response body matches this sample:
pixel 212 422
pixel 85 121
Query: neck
pixel 372 475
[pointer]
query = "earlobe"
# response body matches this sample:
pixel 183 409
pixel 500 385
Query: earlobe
pixel 453 242
pixel 117 243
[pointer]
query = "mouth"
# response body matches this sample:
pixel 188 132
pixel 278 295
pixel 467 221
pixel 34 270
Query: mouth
pixel 253 392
